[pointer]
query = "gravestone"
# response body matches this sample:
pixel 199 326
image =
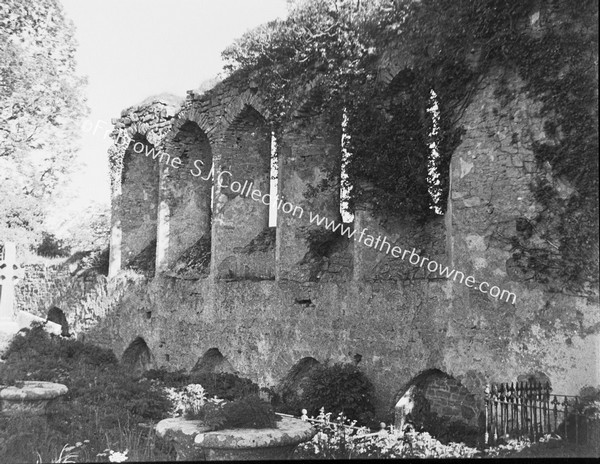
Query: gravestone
pixel 10 273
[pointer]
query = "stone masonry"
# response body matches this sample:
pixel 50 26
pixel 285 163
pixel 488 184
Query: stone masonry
pixel 267 297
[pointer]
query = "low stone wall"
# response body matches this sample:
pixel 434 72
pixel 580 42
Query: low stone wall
pixel 263 328
pixel 84 298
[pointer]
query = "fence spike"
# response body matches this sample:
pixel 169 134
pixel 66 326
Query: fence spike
pixel 532 412
pixel 576 417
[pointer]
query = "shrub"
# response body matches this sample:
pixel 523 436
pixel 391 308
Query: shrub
pixel 247 412
pixel 35 354
pixel 52 247
pixel 170 379
pixel 224 385
pixel 341 388
pixel 9 376
pixel 447 430
pixel 105 404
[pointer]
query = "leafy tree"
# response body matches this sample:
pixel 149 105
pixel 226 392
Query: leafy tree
pixel 40 106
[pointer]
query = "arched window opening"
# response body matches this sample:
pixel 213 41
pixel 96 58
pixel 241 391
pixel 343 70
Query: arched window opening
pixel 345 185
pixel 139 202
pixel 433 174
pixel 274 182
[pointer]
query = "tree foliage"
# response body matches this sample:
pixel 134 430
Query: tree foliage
pixel 40 106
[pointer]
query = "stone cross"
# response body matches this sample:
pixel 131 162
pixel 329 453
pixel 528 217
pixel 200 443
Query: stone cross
pixel 10 273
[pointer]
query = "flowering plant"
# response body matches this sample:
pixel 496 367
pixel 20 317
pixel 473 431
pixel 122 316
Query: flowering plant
pixel 340 439
pixel 188 399
pixel 247 412
pixel 115 456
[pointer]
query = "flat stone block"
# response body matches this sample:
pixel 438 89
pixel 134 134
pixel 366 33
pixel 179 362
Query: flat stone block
pixel 31 399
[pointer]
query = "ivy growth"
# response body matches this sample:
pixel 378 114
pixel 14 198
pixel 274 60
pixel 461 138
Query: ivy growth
pixel 333 48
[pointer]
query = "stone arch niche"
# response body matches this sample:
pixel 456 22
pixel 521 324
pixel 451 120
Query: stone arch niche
pixel 137 356
pixel 292 387
pixel 242 242
pixel 138 206
pixel 309 179
pixel 381 256
pixel 213 362
pixel 432 396
pixel 56 315
pixel 185 209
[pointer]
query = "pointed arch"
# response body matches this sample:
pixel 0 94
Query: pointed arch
pixel 137 356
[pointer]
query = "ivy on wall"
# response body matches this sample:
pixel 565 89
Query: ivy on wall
pixel 332 48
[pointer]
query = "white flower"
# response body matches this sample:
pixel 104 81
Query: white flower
pixel 116 456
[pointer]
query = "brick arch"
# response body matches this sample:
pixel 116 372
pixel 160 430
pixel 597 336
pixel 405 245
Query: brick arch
pixel 435 392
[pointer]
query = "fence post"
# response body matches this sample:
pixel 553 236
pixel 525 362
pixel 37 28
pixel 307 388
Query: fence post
pixel 527 409
pixel 566 415
pixel 511 393
pixel 519 407
pixel 576 415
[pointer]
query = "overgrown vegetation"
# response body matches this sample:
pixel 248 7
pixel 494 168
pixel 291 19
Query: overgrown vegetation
pixel 557 70
pixel 90 262
pixel 105 405
pixel 338 439
pixel 339 388
pixel 109 412
pixel 223 385
pixel 324 56
pixel 247 412
pixel 52 247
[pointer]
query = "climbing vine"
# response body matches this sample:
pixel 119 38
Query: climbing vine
pixel 559 70
pixel 333 47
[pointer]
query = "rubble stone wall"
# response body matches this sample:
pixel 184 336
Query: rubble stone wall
pixel 270 297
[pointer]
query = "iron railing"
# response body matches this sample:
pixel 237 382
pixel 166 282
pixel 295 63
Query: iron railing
pixel 530 410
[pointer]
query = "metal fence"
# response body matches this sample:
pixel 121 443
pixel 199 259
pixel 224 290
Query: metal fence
pixel 530 410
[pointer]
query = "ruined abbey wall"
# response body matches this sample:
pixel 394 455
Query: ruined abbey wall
pixel 210 271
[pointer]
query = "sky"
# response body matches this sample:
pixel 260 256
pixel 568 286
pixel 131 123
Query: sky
pixel 132 49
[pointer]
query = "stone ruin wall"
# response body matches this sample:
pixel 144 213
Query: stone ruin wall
pixel 491 174
pixel 266 299
pixel 84 297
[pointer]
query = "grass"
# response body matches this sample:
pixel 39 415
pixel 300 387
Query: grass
pixel 109 413
pixel 107 407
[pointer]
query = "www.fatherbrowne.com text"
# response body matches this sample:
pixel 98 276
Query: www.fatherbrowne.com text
pixel 224 180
